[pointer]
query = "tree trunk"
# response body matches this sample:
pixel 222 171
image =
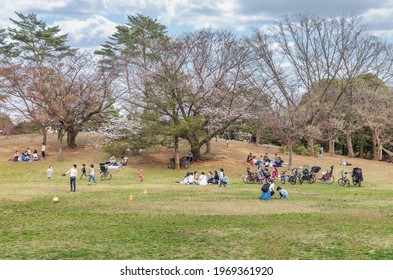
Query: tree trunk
pixel 377 145
pixel 177 156
pixel 331 147
pixel 290 154
pixel 310 146
pixel 351 154
pixel 257 137
pixel 195 149
pixel 60 135
pixel 208 149
pixel 361 150
pixel 44 135
pixel 72 132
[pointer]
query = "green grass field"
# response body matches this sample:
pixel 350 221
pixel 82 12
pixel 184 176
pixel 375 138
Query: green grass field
pixel 174 221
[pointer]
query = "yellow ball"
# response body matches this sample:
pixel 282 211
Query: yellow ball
pixel 55 199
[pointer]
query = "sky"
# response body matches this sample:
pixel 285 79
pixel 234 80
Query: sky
pixel 88 23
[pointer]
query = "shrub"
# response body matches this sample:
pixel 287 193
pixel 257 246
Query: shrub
pixel 117 148
pixel 283 149
pixel 300 149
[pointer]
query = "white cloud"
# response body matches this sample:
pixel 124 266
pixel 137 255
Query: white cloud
pixel 89 32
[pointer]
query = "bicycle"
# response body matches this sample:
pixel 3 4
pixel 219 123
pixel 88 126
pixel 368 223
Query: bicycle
pixel 254 177
pixel 297 176
pixel 184 163
pixel 343 181
pixel 327 178
pixel 284 178
pixel 105 174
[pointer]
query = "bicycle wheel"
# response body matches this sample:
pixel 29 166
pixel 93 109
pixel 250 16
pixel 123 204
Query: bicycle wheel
pixel 171 164
pixel 249 180
pixel 245 178
pixel 330 180
pixel 292 180
pixel 184 163
pixel 356 183
pixel 342 182
pixel 108 176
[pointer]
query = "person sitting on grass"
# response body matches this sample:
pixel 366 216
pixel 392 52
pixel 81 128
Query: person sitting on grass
pixel 16 156
pixel 283 193
pixel 35 155
pixel 112 160
pixel 191 179
pixel 210 177
pixel 202 179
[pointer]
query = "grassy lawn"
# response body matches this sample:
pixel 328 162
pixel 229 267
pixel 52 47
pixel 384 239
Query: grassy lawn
pixel 174 221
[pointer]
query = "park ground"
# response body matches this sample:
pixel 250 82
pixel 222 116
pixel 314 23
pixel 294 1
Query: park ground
pixel 165 220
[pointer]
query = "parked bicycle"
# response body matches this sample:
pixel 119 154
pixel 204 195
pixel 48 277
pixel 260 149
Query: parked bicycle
pixel 297 176
pixel 357 176
pixel 184 162
pixel 343 181
pixel 105 174
pixel 327 177
pixel 256 177
pixel 284 178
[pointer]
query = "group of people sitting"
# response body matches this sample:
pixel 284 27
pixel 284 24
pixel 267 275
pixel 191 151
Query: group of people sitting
pixel 265 160
pixel 193 178
pixel 26 156
pixel 115 164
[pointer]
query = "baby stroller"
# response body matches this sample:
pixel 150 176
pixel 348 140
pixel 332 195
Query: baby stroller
pixel 105 175
pixel 357 176
pixel 306 176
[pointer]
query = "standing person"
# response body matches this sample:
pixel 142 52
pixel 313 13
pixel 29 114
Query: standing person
pixel 49 172
pixel 43 147
pixel 73 174
pixel 221 177
pixel 271 187
pixel 92 175
pixel 83 169
pixel 320 152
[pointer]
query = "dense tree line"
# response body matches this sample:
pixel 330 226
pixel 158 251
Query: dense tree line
pixel 306 78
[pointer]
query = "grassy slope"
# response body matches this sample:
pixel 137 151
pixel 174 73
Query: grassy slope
pixel 187 222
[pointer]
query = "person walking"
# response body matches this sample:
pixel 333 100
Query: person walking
pixel 92 175
pixel 73 174
pixel 83 170
pixel 320 153
pixel 49 172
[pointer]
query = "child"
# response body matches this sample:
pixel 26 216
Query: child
pixel 92 175
pixel 49 172
pixel 283 193
pixel 140 176
pixel 83 169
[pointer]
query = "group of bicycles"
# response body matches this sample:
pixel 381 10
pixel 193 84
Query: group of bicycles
pixel 300 175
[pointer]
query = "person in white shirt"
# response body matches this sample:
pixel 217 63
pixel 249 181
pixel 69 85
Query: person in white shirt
pixel 271 187
pixel 43 147
pixel 73 174
pixel 203 179
pixel 191 179
pixel 221 176
pixel 112 159
pixel 49 172
pixel 92 175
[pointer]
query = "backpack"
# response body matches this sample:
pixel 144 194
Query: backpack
pixel 265 187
